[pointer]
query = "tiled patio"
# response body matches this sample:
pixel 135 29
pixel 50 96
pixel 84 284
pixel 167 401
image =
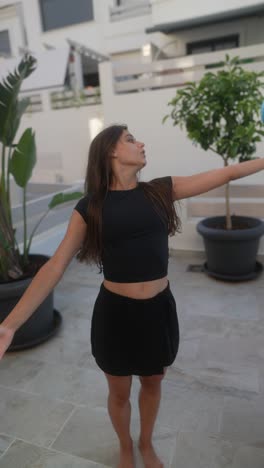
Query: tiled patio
pixel 53 398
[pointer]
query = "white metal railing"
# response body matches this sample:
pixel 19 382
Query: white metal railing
pixel 85 97
pixel 35 104
pixel 136 8
pixel 174 72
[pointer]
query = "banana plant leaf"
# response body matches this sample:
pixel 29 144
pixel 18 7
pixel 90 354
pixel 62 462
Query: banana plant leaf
pixel 24 158
pixel 60 198
pixel 11 109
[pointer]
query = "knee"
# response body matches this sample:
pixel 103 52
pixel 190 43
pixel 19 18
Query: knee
pixel 119 389
pixel 151 384
pixel 119 398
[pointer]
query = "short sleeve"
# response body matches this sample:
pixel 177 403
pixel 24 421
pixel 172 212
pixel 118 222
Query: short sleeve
pixel 164 181
pixel 167 181
pixel 82 207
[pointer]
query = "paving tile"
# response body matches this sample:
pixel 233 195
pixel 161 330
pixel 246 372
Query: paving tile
pixel 194 326
pixel 75 328
pixel 242 420
pixel 261 381
pixel 204 301
pixel 238 351
pixel 208 450
pixel 71 383
pixel 222 375
pixel 16 371
pixel 190 409
pixel 76 309
pixel 89 434
pixel 194 449
pixel 24 455
pixel 5 442
pixel 30 417
pixel 59 350
pixel 249 457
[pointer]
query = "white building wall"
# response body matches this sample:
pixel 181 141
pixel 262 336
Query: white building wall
pixel 63 138
pixel 10 21
pixel 100 34
pixel 89 33
pixel 254 32
pixel 164 11
pixel 127 36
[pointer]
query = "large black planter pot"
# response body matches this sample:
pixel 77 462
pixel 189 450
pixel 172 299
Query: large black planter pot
pixel 44 322
pixel 231 254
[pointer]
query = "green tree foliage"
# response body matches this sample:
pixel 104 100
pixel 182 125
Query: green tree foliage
pixel 221 113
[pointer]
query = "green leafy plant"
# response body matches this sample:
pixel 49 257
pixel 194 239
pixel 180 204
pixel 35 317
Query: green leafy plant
pixel 19 160
pixel 221 113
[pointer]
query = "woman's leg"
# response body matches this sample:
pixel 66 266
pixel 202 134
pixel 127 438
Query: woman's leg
pixel 119 409
pixel 149 401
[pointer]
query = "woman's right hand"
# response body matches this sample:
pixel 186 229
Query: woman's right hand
pixel 6 336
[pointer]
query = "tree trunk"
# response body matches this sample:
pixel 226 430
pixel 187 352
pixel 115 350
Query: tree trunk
pixel 227 203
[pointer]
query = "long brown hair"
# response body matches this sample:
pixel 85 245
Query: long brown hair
pixel 97 182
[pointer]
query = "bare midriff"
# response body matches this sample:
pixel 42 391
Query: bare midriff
pixel 143 290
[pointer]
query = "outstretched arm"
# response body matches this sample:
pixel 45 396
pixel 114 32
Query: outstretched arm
pixel 189 186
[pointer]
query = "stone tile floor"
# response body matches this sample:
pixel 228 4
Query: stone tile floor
pixel 53 411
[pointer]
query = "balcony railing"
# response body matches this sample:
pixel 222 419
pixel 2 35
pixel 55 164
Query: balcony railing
pixel 137 8
pixel 65 99
pixel 176 72
pixel 35 104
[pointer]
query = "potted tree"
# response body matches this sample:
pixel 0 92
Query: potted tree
pixel 18 268
pixel 221 113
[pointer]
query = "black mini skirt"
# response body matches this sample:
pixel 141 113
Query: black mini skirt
pixel 134 336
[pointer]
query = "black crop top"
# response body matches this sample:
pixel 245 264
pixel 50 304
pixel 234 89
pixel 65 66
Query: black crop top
pixel 135 237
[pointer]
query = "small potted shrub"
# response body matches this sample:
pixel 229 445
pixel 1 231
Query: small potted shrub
pixel 221 113
pixel 18 268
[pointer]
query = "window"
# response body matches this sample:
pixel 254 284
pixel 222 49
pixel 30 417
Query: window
pixel 60 13
pixel 211 45
pixel 5 47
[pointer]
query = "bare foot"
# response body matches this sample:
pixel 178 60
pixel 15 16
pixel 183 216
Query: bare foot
pixel 126 458
pixel 150 458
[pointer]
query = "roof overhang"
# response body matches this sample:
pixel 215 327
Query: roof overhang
pixel 84 50
pixel 227 15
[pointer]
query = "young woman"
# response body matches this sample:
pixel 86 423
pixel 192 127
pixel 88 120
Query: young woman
pixel 123 225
